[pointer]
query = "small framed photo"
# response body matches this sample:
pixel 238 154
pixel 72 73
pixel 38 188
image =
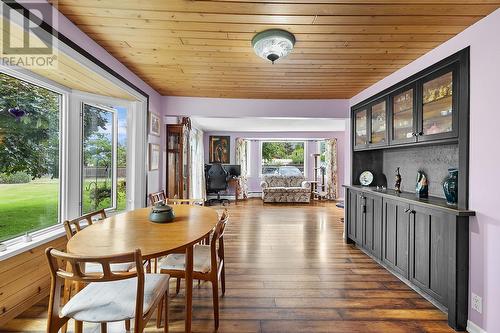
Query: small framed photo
pixel 154 156
pixel 154 124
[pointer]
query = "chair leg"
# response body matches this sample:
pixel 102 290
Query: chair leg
pixel 159 313
pixel 215 296
pixel 178 286
pixel 104 328
pixel 78 326
pixel 66 296
pixel 127 325
pixel 165 328
pixel 223 280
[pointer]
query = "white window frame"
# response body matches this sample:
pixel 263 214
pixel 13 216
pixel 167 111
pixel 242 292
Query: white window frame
pixel 69 155
pixel 304 173
pixel 27 76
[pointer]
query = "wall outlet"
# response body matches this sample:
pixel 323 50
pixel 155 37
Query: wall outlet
pixel 476 303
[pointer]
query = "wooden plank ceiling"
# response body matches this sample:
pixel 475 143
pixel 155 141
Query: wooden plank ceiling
pixel 68 72
pixel 202 48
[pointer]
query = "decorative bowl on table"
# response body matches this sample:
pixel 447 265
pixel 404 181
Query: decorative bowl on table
pixel 161 213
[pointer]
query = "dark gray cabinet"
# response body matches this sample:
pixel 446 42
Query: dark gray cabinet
pixel 424 242
pixel 396 227
pixel 372 225
pixel 355 207
pixel 429 238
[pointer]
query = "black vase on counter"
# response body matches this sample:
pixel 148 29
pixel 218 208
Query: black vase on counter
pixel 450 186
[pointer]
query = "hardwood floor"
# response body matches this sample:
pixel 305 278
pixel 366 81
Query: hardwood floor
pixel 288 270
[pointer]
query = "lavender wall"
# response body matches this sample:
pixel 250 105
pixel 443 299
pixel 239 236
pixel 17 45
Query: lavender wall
pixel 484 196
pixel 255 154
pixel 68 29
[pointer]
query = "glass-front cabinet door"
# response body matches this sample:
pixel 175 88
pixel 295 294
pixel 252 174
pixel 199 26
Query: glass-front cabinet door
pixel 378 124
pixel 361 128
pixel 438 116
pixel 403 116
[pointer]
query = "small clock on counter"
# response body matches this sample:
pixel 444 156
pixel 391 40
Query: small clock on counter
pixel 366 178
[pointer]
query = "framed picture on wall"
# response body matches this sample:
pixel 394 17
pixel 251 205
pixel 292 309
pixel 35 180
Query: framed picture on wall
pixel 219 149
pixel 154 156
pixel 154 124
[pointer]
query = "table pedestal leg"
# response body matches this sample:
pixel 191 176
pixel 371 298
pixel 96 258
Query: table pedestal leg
pixel 189 288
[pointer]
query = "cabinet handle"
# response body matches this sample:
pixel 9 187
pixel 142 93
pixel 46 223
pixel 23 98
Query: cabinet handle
pixel 414 134
pixel 407 210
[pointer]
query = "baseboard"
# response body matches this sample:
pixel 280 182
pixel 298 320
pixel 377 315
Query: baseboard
pixel 473 328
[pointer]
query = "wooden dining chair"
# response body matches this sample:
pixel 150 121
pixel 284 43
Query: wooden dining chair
pixel 157 197
pixel 208 264
pixel 109 296
pixel 72 227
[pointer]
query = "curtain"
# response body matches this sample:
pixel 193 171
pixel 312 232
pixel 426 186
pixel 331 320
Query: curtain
pixel 197 182
pixel 241 159
pixel 331 168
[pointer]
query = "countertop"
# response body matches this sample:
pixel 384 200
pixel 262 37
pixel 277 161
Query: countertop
pixel 431 202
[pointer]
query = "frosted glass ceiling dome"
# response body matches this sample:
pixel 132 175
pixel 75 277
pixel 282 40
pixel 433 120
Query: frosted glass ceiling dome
pixel 273 44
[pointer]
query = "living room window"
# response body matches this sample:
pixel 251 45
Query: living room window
pixel 29 157
pixel 282 158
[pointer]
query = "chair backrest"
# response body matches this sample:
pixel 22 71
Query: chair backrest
pixel 220 227
pixel 73 226
pixel 77 263
pixel 217 178
pixel 156 197
pixel 59 262
pixel 193 202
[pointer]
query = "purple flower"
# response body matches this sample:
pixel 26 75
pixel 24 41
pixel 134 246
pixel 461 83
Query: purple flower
pixel 17 112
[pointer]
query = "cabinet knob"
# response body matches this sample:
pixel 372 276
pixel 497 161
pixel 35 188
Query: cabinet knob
pixel 420 133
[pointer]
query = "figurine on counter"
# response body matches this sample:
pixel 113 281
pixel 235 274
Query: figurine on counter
pixel 397 186
pixel 422 189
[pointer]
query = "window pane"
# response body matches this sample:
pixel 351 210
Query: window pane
pixel 283 158
pixel 29 157
pixel 438 105
pixel 360 127
pixel 98 159
pixel 402 120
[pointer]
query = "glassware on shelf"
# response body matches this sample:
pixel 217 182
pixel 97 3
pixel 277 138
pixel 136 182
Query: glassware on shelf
pixel 402 119
pixel 360 127
pixel 378 122
pixel 438 105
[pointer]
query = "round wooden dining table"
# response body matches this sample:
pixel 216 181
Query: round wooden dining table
pixel 133 230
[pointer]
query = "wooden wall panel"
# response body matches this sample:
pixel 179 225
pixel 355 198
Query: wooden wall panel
pixel 25 280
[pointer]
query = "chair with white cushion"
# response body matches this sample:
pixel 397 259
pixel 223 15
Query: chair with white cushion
pixel 72 227
pixel 109 296
pixel 208 264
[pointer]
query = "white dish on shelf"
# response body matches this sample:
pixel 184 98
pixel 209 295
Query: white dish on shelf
pixel 366 178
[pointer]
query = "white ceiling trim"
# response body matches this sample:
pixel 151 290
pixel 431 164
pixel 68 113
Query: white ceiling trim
pixel 270 124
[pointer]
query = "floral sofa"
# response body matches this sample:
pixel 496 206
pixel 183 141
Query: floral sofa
pixel 277 188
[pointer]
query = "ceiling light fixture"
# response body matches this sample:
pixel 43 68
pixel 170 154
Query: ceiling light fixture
pixel 273 44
